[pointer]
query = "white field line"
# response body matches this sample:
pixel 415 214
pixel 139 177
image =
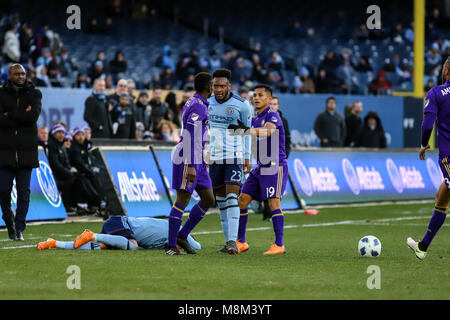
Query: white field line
pixel 309 225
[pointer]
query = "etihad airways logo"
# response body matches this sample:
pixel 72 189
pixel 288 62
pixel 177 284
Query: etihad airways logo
pixel 137 189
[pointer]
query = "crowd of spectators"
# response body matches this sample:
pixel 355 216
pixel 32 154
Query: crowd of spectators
pixel 49 63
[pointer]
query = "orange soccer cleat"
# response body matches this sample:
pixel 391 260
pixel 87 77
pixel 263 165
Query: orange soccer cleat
pixel 274 249
pixel 85 237
pixel 50 243
pixel 242 246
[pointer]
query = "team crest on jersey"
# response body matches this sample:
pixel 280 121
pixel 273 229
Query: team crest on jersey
pixel 427 101
pixel 194 116
pixel 230 110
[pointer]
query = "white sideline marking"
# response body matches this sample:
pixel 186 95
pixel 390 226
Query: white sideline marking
pixel 308 225
pixel 327 224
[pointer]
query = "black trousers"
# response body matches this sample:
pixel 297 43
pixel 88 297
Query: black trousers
pixel 23 178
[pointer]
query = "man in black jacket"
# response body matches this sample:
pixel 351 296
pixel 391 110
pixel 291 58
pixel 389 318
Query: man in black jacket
pixel 64 173
pixel 124 122
pixel 329 126
pixel 86 186
pixel 20 107
pixel 353 123
pixel 96 111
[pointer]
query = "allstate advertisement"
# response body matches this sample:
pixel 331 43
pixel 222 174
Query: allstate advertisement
pixel 138 181
pixel 356 176
pixel 45 200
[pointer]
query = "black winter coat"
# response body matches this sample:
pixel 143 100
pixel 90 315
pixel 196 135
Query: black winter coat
pixel 18 130
pixel 79 158
pixel 58 158
pixel 96 114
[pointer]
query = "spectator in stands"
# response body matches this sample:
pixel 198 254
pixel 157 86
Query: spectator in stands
pixel 372 133
pixel 45 58
pixel 118 64
pixel 109 28
pixel 363 65
pixel 88 135
pixel 167 79
pixel 81 82
pixel 115 8
pixel 98 71
pixel 56 71
pixel 330 63
pixel 166 59
pixel 379 32
pixel 93 27
pixel 433 59
pixel 323 82
pixel 124 122
pixel 67 141
pixel 360 33
pixel 68 62
pixel 307 84
pixel 42 79
pixel 11 45
pixel 258 72
pixel 296 31
pixel 165 131
pixel 97 111
pixel 397 33
pixel 329 126
pixel 86 188
pixel 353 123
pixel 160 110
pixel 188 84
pixel 139 130
pixel 140 12
pixel 380 85
pixel 409 33
pixel 143 108
pixel 276 62
pixel 43 137
pixel 28 45
pixel 99 57
pixel 121 88
pixel 59 161
pixel 214 61
pixel 431 33
pixel 347 75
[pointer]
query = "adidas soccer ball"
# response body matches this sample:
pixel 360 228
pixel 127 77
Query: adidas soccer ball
pixel 369 246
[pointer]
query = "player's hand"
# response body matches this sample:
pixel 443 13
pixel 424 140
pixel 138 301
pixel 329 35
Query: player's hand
pixel 28 109
pixel 422 152
pixel 239 126
pixel 247 166
pixel 325 140
pixel 191 174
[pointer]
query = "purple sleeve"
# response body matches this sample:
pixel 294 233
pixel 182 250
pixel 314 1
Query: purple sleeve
pixel 429 116
pixel 194 120
pixel 274 118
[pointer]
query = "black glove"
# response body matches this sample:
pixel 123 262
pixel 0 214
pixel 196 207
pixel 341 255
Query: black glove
pixel 238 126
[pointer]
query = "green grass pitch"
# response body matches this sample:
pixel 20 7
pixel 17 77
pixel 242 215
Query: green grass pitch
pixel 322 261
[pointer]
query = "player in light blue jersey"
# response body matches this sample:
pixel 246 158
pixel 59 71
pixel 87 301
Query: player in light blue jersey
pixel 121 232
pixel 228 156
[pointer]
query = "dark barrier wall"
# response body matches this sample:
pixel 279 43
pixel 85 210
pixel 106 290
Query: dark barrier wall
pixel 300 110
pixel 45 200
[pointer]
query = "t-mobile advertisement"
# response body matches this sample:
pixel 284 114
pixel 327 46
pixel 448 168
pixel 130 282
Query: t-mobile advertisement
pixel 337 177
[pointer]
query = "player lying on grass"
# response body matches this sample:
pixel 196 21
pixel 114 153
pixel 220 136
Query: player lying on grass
pixel 436 109
pixel 268 180
pixel 121 232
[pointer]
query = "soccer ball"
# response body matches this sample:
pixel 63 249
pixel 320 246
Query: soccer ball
pixel 369 246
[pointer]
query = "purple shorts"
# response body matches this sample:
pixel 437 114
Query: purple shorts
pixel 179 178
pixel 262 186
pixel 445 169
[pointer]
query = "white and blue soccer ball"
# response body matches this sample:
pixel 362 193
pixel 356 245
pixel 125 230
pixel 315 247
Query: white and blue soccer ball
pixel 369 246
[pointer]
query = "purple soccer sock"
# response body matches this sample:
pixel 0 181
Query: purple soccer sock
pixel 175 220
pixel 278 226
pixel 436 221
pixel 196 214
pixel 243 219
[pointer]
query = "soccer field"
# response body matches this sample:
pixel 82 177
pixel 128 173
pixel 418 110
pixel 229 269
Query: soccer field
pixel 322 261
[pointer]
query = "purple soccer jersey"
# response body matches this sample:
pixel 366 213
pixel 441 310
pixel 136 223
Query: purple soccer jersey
pixel 269 178
pixel 437 108
pixel 189 151
pixel 265 144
